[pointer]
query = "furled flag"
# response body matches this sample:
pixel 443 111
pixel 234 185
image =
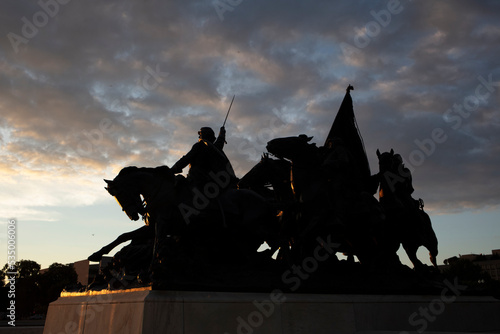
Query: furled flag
pixel 345 127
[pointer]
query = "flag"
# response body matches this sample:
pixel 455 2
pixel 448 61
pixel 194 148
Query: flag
pixel 345 127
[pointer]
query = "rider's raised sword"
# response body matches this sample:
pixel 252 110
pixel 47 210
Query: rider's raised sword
pixel 223 124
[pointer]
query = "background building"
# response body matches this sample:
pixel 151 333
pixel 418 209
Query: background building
pixel 489 263
pixel 86 272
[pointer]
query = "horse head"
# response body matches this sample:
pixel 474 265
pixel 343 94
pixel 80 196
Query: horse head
pixel 256 175
pixel 385 160
pixel 267 172
pixel 127 193
pixel 132 182
pixel 296 149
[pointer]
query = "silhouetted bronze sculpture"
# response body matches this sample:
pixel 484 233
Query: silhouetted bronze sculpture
pixel 142 232
pixel 204 233
pixel 355 228
pixel 410 224
pixel 212 237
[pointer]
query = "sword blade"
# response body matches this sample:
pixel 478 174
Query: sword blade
pixel 223 124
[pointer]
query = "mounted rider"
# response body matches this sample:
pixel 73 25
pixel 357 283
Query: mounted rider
pixel 208 162
pixel 403 187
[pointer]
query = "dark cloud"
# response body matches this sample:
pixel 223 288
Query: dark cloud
pixel 106 84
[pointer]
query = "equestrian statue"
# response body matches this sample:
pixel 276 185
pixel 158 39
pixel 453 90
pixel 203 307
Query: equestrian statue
pixel 300 204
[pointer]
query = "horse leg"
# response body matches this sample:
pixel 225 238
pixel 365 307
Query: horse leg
pixel 160 246
pixel 411 251
pixel 429 239
pixel 143 231
pixel 251 220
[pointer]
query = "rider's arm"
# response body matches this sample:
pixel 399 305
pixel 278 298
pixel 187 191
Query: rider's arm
pixel 221 139
pixel 185 160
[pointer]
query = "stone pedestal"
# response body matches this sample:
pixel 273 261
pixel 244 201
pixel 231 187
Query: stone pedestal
pixel 176 312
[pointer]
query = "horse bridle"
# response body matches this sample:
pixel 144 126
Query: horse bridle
pixel 128 204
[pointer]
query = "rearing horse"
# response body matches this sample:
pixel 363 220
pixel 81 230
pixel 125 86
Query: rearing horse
pixel 411 225
pixel 272 177
pixel 273 173
pixel 242 222
pixel 318 211
pixel 128 195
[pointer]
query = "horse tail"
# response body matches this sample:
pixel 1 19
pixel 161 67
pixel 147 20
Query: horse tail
pixel 429 237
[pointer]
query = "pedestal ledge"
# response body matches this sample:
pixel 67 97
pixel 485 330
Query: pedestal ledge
pixel 179 312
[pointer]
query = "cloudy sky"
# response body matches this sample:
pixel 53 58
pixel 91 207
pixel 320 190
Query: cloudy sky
pixel 89 87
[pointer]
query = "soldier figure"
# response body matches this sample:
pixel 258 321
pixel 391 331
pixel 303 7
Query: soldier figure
pixel 207 161
pixel 403 188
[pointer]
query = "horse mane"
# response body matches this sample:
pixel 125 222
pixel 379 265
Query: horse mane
pixel 163 171
pixel 128 170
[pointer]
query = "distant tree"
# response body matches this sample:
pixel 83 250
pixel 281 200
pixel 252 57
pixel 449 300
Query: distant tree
pixel 34 291
pixel 450 260
pixel 480 257
pixel 4 299
pixel 27 268
pixel 474 277
pixel 3 273
pixel 467 272
pixel 27 290
pixel 52 282
pixel 61 276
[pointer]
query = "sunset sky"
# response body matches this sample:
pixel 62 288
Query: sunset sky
pixel 89 87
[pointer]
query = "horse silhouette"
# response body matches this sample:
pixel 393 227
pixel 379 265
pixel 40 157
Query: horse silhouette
pixel 269 177
pixel 228 229
pixel 143 232
pixel 410 224
pixel 357 230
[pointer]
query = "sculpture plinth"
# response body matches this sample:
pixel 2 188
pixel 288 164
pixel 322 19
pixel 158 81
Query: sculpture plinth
pixel 177 312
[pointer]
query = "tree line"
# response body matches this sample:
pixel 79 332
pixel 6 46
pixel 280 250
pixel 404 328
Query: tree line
pixel 34 290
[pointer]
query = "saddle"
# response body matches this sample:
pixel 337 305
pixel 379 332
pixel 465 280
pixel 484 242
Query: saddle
pixel 191 199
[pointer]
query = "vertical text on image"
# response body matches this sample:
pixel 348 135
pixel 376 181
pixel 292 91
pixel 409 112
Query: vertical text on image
pixel 11 270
